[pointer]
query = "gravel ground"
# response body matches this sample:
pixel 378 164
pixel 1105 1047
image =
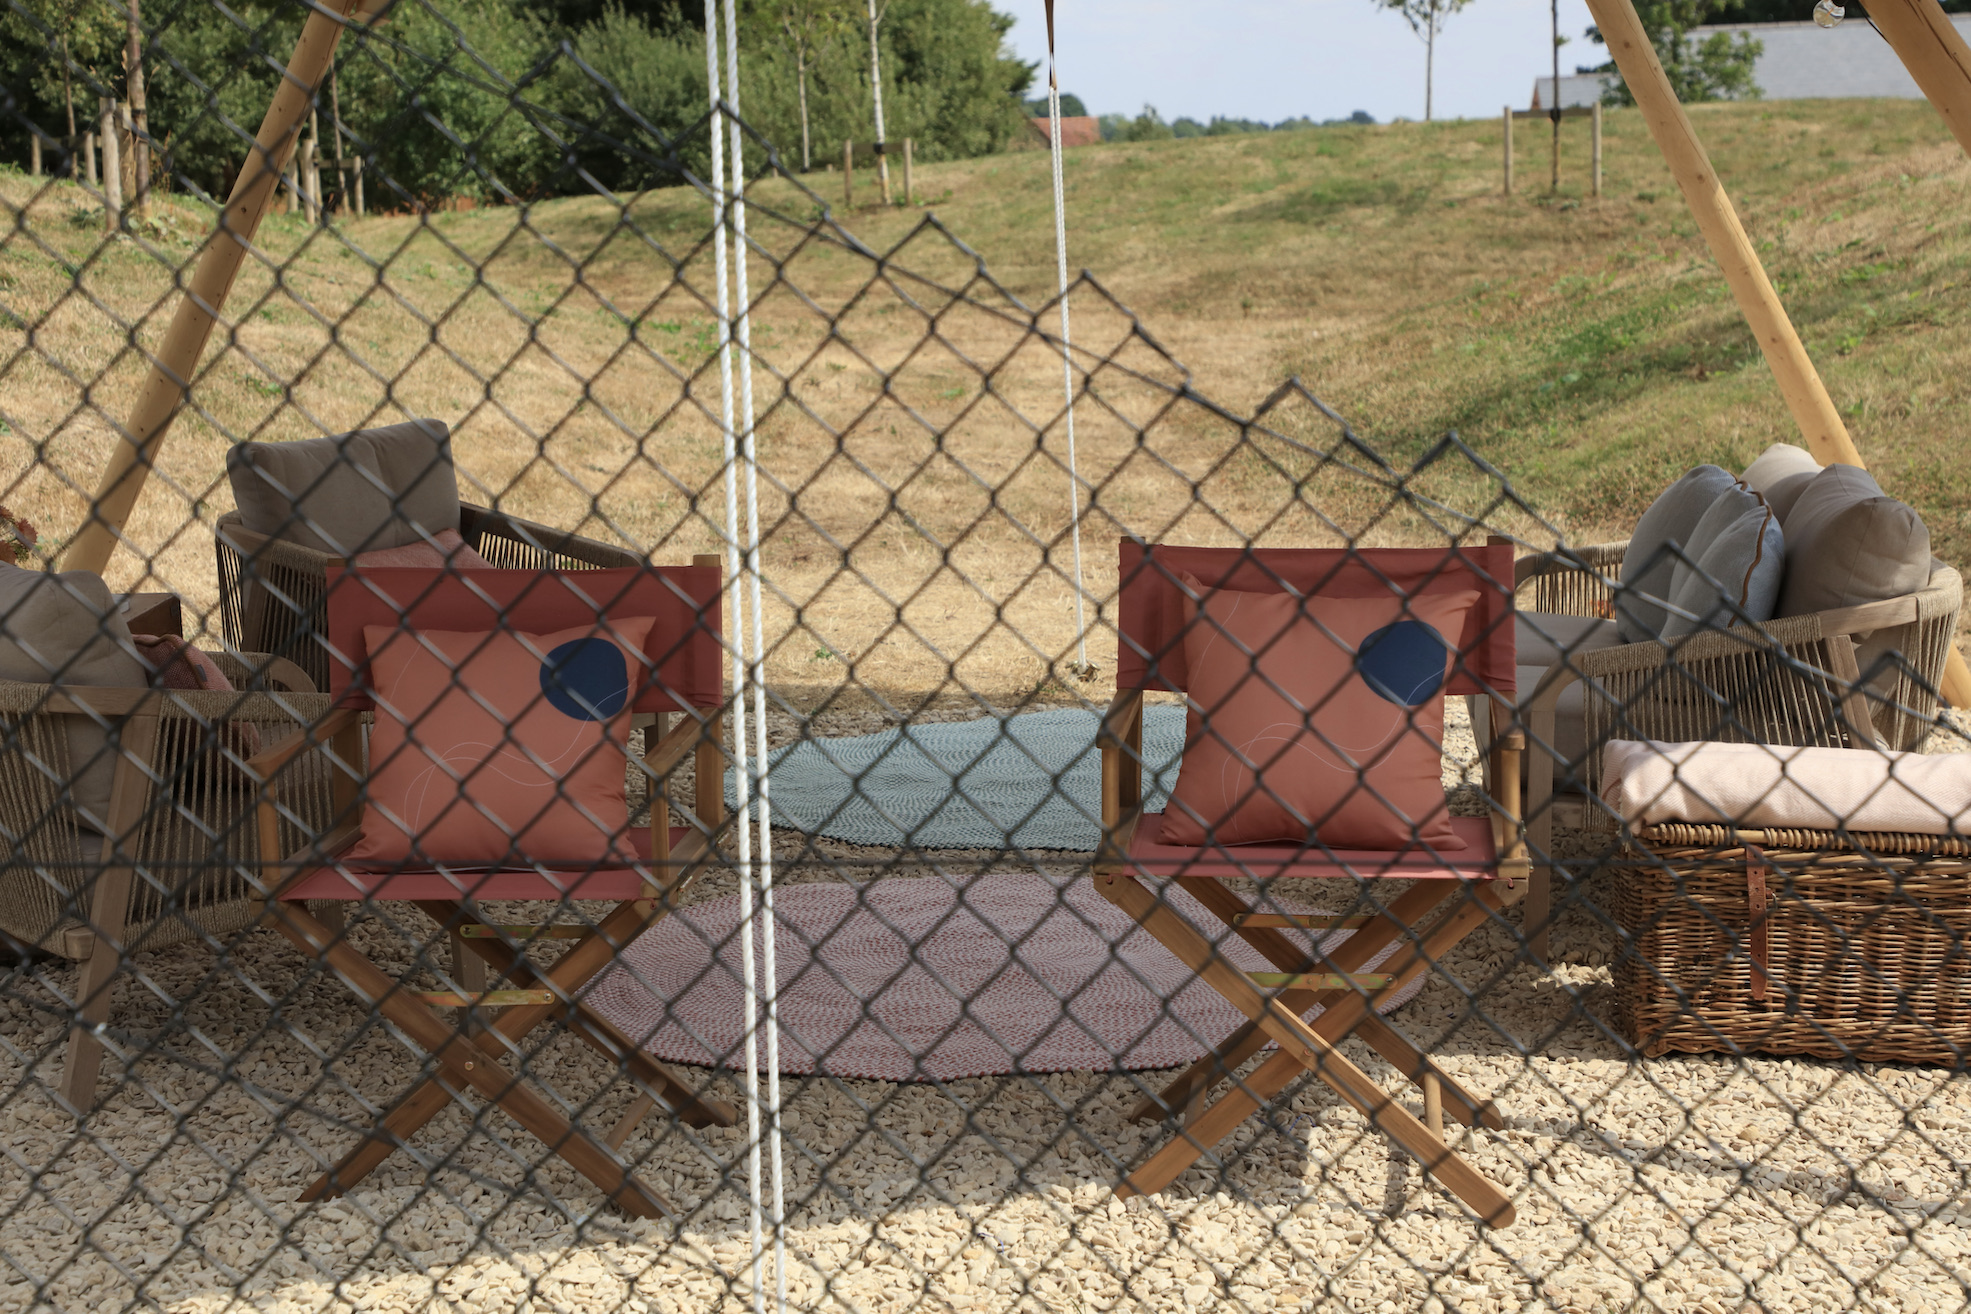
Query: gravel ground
pixel 1673 1183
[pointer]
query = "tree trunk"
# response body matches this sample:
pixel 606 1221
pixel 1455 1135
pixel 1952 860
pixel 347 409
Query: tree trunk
pixel 68 104
pixel 801 83
pixel 140 135
pixel 335 130
pixel 876 87
pixel 1430 59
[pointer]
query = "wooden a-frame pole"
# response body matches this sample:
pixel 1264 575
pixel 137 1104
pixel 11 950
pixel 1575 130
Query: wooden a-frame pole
pixel 1799 384
pixel 184 341
pixel 1935 55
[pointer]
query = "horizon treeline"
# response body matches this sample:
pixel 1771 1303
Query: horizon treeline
pixel 497 99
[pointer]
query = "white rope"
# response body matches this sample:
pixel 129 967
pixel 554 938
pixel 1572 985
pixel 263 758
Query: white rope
pixel 749 460
pixel 741 670
pixel 1067 360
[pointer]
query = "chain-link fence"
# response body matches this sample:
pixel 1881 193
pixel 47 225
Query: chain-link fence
pixel 625 759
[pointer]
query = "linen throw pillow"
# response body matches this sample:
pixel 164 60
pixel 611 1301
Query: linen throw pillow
pixel 1316 718
pixel 1849 543
pixel 1646 567
pixel 501 749
pixel 1738 556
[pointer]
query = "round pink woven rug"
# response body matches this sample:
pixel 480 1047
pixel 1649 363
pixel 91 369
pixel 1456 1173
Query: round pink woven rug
pixel 901 980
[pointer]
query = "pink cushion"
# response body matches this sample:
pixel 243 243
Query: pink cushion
pixel 177 664
pixel 449 550
pixel 1294 737
pixel 501 749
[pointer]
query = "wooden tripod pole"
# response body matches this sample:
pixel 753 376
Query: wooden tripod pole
pixel 1806 397
pixel 1813 410
pixel 1940 61
pixel 184 342
pixel 1935 55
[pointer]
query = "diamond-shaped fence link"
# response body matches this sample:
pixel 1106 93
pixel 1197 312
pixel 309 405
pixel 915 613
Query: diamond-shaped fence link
pixel 1398 908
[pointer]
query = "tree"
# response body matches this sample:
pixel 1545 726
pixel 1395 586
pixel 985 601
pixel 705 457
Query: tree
pixel 1718 68
pixel 802 27
pixel 1426 19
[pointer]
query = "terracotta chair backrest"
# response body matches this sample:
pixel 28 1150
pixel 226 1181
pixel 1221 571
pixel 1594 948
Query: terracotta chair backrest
pixel 683 647
pixel 1151 600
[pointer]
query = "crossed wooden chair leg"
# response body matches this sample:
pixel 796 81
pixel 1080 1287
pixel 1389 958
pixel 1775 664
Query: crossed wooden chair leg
pixel 1278 1018
pixel 471 1057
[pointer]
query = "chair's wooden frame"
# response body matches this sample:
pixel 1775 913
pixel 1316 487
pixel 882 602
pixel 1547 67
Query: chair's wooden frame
pixel 141 795
pixel 470 1048
pixel 1425 922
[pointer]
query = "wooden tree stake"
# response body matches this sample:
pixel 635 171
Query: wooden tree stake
pixel 1806 397
pixel 1506 119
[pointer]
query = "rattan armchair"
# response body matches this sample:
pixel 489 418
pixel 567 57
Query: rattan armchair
pixel 182 848
pixel 1788 681
pixel 271 592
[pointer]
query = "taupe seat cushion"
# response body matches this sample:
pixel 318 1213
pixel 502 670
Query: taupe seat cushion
pixel 1848 543
pixel 352 492
pixel 1545 640
pixel 66 629
pixel 1542 636
pixel 1570 734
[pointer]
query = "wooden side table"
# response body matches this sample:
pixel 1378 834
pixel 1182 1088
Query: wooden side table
pixel 154 613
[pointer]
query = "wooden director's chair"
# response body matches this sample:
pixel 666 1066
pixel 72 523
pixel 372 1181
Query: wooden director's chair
pixel 685 651
pixel 1453 897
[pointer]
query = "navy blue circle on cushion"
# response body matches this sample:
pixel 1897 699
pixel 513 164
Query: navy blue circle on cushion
pixel 1404 663
pixel 586 679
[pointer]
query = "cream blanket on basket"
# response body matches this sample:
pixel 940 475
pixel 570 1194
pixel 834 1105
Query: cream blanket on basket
pixel 1756 786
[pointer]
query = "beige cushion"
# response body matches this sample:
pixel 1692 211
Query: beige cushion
pixel 352 492
pixel 1848 543
pixel 1784 493
pixel 65 629
pixel 1757 785
pixel 1542 637
pixel 1738 556
pixel 1780 461
pixel 1646 566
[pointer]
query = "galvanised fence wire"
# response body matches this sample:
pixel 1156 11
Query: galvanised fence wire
pixel 387 884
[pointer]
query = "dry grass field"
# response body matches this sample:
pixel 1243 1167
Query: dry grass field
pixel 910 418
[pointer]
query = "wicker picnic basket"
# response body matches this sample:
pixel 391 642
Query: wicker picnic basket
pixel 1795 942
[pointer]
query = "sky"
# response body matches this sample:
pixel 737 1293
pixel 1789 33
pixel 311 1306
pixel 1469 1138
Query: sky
pixel 1279 59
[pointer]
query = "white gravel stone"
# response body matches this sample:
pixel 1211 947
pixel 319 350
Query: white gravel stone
pixel 1691 1182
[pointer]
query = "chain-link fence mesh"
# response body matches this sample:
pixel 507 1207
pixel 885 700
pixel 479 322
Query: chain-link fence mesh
pixel 1529 925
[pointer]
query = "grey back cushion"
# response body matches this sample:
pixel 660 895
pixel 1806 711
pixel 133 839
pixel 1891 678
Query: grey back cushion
pixel 1847 543
pixel 1646 567
pixel 352 492
pixel 1738 561
pixel 66 629
pixel 1781 494
pixel 1780 461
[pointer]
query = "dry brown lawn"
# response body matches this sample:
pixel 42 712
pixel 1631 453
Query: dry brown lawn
pixel 915 499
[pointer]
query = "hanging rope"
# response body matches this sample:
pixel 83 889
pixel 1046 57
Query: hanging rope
pixel 1082 668
pixel 750 468
pixel 742 557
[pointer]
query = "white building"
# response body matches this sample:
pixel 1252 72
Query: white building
pixel 1800 62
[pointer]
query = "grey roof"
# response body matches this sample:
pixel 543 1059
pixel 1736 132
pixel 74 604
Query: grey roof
pixel 1803 61
pixel 1576 90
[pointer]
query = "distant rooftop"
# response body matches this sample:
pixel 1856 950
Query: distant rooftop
pixel 1801 61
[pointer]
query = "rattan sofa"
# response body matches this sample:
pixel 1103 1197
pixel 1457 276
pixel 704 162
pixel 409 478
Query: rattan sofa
pixel 182 805
pixel 271 591
pixel 1787 681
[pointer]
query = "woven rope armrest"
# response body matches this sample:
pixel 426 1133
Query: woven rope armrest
pixel 1572 582
pixel 511 542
